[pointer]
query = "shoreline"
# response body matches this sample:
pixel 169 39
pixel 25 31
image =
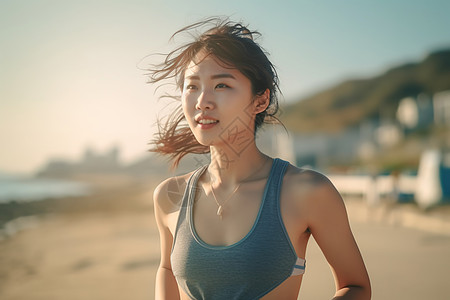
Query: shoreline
pixel 105 195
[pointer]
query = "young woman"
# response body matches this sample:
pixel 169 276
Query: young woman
pixel 240 225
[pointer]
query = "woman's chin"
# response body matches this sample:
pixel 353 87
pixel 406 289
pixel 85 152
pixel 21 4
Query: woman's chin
pixel 207 142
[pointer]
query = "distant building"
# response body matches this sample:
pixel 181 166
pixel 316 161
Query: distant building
pixel 441 105
pixel 91 162
pixel 322 150
pixel 104 162
pixel 372 135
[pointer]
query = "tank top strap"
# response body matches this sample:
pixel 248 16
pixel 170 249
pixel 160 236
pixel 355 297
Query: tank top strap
pixel 188 196
pixel 274 184
pixel 279 170
pixel 271 198
pixel 191 187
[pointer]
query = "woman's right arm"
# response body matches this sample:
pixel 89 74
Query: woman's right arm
pixel 166 287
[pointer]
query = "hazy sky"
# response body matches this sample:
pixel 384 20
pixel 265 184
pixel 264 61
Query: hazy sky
pixel 69 75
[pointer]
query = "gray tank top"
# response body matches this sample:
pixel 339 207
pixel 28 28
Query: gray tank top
pixel 248 269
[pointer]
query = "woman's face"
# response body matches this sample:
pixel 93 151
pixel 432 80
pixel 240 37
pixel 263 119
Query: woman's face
pixel 218 104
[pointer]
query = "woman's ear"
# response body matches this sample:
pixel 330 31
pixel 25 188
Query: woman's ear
pixel 262 101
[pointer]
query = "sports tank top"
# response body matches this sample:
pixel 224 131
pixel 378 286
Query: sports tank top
pixel 248 269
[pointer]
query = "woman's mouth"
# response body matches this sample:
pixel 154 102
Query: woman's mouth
pixel 207 123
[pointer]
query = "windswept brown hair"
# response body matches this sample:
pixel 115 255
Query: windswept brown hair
pixel 232 44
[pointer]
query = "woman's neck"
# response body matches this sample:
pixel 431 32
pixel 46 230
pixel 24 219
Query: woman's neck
pixel 228 168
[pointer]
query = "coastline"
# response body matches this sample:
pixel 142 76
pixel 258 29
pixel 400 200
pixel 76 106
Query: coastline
pixel 29 188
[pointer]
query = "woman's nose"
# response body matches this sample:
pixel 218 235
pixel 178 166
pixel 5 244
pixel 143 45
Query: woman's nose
pixel 205 101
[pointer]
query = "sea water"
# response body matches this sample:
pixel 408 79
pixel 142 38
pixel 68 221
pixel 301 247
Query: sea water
pixel 33 189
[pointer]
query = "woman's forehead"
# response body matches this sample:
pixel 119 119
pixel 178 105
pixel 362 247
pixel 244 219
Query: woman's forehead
pixel 208 64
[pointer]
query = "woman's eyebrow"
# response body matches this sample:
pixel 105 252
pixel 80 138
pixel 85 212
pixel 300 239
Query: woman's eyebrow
pixel 216 76
pixel 224 75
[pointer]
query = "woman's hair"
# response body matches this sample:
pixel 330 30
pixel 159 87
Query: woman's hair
pixel 233 45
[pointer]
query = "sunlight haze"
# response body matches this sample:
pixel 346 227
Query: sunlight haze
pixel 71 71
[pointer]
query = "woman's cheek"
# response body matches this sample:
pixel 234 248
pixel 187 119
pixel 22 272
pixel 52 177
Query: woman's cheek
pixel 185 102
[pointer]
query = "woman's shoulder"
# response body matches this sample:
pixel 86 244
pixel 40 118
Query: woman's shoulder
pixel 168 194
pixel 305 176
pixel 313 185
pixel 313 195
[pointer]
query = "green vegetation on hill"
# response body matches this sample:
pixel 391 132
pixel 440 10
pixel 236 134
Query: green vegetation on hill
pixel 353 101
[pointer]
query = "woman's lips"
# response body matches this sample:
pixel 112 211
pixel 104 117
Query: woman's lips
pixel 207 123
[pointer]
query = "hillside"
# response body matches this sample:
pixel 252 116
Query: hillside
pixel 352 101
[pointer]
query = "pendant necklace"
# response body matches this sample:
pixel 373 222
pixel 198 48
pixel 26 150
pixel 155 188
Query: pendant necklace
pixel 219 212
pixel 220 209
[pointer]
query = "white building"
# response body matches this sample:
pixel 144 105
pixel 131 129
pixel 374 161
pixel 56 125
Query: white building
pixel 441 106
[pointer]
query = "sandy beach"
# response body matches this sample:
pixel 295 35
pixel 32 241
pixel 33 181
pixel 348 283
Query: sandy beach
pixel 106 246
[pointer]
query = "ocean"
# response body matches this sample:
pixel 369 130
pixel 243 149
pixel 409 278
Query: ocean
pixel 24 189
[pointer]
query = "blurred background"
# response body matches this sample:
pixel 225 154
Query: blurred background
pixel 366 100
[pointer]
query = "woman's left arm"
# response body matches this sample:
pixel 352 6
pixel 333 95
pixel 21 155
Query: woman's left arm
pixel 329 225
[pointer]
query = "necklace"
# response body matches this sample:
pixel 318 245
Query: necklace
pixel 220 206
pixel 219 212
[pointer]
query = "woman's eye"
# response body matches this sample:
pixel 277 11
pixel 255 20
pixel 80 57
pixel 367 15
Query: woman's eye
pixel 190 87
pixel 221 86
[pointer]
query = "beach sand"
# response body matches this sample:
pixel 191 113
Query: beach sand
pixel 106 246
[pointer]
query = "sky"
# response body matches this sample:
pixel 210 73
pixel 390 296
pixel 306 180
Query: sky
pixel 72 72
